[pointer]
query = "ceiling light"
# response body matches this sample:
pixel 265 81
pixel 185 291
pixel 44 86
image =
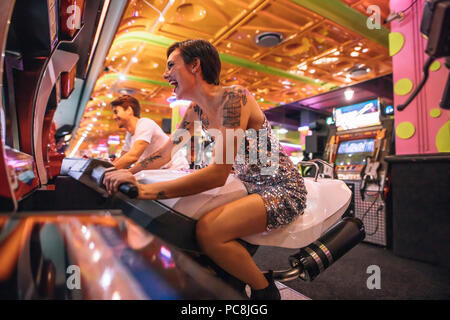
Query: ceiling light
pixel 349 92
pixel 312 71
pixel 357 48
pixel 161 18
pixel 354 54
pixel 337 53
pixel 122 77
pixel 134 59
pixel 365 50
pixel 325 60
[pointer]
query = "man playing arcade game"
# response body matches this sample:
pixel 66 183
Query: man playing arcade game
pixel 143 137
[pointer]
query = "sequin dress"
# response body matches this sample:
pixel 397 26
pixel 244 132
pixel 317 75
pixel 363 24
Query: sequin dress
pixel 281 187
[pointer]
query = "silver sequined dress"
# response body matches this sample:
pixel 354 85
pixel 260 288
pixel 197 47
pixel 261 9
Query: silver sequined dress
pixel 281 187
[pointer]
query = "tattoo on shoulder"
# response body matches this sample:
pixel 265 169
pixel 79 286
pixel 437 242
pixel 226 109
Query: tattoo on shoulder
pixel 185 124
pixel 177 140
pixel 232 101
pixel 202 117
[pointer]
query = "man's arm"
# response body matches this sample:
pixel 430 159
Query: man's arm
pixel 176 141
pixel 131 156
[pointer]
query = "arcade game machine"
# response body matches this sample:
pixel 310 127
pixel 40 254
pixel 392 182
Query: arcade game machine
pixel 361 139
pixel 60 239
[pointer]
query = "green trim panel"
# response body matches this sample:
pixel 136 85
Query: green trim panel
pixel 340 13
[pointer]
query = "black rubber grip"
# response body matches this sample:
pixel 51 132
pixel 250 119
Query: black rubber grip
pixel 129 189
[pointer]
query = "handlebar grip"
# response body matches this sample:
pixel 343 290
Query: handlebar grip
pixel 129 189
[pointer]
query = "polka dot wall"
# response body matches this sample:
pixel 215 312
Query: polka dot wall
pixel 423 127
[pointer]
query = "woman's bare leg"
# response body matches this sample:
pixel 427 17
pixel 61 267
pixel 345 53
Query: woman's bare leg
pixel 218 230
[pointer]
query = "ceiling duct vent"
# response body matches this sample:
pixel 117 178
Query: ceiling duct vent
pixel 269 39
pixel 359 70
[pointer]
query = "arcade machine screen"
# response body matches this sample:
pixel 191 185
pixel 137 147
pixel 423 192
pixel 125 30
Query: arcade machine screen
pixel 354 151
pixel 358 115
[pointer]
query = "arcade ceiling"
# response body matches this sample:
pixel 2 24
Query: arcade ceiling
pixel 281 50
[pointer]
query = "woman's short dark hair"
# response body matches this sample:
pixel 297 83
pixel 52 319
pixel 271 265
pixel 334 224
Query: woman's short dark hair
pixel 125 101
pixel 205 52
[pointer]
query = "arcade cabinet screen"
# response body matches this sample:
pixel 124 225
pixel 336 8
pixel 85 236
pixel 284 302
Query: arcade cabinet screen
pixel 354 151
pixel 358 115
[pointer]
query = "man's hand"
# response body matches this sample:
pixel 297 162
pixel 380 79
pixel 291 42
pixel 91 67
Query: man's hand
pixel 114 179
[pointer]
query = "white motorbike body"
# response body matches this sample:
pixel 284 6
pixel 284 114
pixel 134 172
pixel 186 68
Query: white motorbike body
pixel 326 202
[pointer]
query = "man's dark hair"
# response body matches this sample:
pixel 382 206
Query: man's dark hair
pixel 205 52
pixel 126 101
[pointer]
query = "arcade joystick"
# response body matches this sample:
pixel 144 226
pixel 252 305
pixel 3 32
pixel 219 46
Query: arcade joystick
pixel 91 173
pixel 98 173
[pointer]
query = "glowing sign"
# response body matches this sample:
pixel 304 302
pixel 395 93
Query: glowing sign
pixel 357 115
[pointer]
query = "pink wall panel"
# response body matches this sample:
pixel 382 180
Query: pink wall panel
pixel 407 63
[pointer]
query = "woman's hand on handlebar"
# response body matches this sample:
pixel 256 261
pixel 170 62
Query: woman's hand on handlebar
pixel 114 179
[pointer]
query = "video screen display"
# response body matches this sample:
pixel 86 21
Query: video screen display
pixel 355 146
pixel 358 115
pixel 354 151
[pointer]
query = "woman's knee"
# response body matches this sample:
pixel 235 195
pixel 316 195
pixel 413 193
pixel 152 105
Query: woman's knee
pixel 204 233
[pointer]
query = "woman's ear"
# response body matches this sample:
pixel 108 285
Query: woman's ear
pixel 195 65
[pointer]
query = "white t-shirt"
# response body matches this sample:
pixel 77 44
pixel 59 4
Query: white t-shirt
pixel 148 131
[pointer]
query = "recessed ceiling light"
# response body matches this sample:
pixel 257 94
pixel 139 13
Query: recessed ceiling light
pixel 268 39
pixel 349 92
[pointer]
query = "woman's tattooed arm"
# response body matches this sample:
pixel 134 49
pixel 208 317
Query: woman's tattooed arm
pixel 232 101
pixel 202 117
